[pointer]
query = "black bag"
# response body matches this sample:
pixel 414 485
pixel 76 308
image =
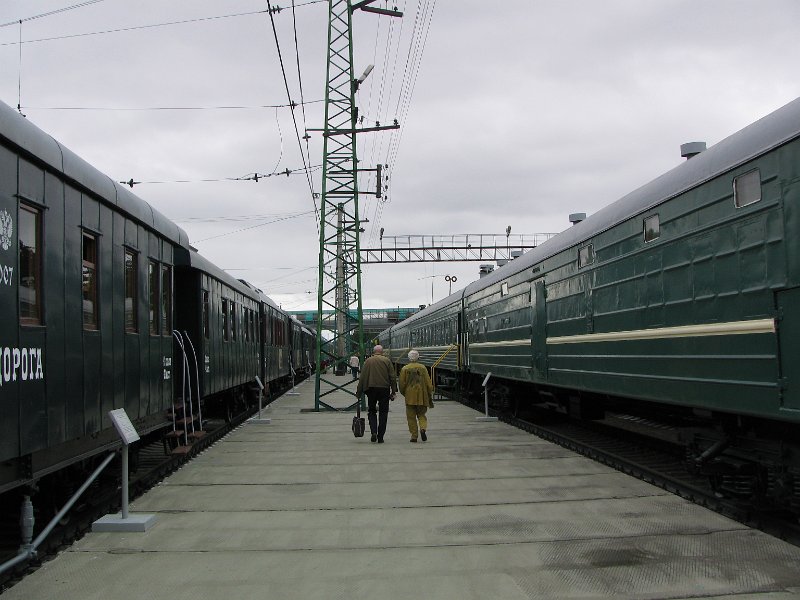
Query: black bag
pixel 358 421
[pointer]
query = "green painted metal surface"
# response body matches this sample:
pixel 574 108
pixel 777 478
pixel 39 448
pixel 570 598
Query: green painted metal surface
pixel 340 254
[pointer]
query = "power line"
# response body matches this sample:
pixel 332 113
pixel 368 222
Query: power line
pixel 294 118
pixel 234 218
pixel 213 237
pixel 165 108
pixel 306 137
pixel 139 27
pixel 52 12
pixel 249 177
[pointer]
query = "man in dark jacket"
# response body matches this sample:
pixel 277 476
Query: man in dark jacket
pixel 379 381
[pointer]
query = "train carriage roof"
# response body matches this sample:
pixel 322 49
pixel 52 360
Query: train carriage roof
pixel 18 131
pixel 768 133
pixel 195 260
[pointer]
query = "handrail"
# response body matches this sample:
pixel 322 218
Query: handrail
pixel 197 378
pixel 441 358
pixel 29 550
pixel 179 340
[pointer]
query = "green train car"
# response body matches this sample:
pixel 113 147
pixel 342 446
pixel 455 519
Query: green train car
pixel 681 301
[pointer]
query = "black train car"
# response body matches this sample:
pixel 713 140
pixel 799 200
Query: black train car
pixel 301 350
pixel 219 314
pixel 86 296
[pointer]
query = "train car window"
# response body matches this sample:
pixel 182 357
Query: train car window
pixel 234 319
pixel 206 314
pixel 747 188
pixel 225 319
pixel 152 282
pixel 89 281
pixel 166 300
pixel 652 228
pixel 504 289
pixel 131 279
pixel 585 256
pixel 30 265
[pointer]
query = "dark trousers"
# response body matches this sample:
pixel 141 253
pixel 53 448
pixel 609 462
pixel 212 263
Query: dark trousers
pixel 378 398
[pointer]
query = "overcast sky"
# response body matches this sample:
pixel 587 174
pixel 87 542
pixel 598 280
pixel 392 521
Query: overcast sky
pixel 512 113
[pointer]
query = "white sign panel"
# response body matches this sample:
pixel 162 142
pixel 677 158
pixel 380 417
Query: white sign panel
pixel 123 425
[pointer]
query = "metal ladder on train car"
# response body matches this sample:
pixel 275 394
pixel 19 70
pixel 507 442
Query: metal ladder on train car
pixel 184 433
pixel 439 396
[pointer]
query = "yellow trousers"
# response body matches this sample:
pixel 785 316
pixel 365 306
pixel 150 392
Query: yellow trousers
pixel 414 412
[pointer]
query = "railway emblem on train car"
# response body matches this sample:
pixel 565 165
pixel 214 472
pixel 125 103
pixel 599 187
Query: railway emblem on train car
pixel 6 229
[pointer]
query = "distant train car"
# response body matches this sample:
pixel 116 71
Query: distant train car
pixel 86 291
pixel 433 332
pixel 680 299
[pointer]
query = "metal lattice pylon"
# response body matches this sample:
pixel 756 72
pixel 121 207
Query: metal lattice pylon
pixel 339 250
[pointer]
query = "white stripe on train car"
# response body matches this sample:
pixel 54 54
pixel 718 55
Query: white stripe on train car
pixel 709 329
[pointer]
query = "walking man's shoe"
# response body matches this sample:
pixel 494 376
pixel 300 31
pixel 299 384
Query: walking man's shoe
pixel 374 438
pixel 422 435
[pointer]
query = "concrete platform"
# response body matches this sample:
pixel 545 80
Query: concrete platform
pixel 301 509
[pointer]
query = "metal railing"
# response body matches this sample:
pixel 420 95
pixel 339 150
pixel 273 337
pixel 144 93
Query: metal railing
pixel 28 548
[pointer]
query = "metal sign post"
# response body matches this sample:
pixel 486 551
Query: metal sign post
pixel 123 522
pixel 258 420
pixel 486 417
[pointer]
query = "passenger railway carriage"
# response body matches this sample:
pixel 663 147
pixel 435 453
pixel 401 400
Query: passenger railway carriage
pixel 105 305
pixel 680 299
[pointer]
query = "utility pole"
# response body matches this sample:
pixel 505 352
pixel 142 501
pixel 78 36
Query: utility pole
pixel 340 226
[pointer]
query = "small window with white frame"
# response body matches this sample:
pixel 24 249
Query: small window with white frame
pixel 652 228
pixel 747 188
pixel 585 256
pixel 504 289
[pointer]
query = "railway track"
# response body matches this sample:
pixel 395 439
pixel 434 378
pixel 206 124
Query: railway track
pixel 642 449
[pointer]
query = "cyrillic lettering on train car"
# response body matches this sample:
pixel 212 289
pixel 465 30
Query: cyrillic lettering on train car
pixel 20 364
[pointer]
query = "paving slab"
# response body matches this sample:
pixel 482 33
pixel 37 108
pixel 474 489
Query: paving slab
pixel 299 508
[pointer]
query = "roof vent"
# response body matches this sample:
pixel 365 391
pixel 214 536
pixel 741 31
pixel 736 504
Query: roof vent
pixel 690 149
pixel 486 269
pixel 576 218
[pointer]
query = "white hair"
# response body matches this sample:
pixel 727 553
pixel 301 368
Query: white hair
pixel 413 355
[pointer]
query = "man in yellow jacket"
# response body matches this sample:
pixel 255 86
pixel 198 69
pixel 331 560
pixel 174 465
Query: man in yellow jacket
pixel 417 388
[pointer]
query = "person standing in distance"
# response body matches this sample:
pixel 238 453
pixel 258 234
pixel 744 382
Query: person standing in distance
pixel 355 365
pixel 379 382
pixel 417 388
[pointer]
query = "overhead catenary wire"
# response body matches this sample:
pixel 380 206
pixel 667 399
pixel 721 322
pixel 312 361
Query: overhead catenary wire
pixel 165 108
pixel 306 137
pixel 147 26
pixel 52 12
pixel 294 118
pixel 220 218
pixel 249 177
pixel 214 237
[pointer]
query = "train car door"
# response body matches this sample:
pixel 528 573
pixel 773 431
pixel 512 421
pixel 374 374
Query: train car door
pixel 789 347
pixel 539 329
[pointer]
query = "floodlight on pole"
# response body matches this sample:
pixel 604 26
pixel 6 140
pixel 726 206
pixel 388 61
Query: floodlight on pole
pixel 364 76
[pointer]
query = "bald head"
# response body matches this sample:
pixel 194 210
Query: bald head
pixel 377 349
